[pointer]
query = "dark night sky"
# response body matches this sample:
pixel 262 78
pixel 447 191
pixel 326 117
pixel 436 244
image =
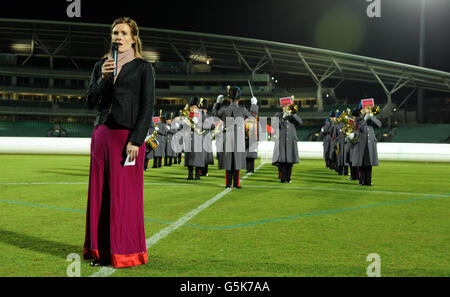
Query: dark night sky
pixel 338 25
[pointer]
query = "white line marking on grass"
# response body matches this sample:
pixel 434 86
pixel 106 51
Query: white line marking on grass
pixel 85 183
pixel 107 271
pixel 343 190
pixel 43 183
pixel 243 178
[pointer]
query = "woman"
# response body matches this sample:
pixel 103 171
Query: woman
pixel 115 216
pixel 285 152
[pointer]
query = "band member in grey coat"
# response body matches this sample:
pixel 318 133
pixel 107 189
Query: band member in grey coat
pixel 208 127
pixel 340 147
pixel 365 149
pixel 326 132
pixel 149 155
pixel 194 155
pixel 170 153
pixel 234 138
pixel 350 150
pixel 160 150
pixel 251 143
pixel 285 152
pixel 177 137
pixel 333 140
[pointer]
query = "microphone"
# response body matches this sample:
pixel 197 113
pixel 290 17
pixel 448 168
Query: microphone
pixel 114 53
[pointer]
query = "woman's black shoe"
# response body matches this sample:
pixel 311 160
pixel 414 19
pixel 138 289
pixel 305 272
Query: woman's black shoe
pixel 97 263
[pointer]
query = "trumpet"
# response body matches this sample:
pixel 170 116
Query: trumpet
pixel 374 110
pixel 293 108
pixel 218 129
pixel 185 115
pixel 151 143
pixel 349 126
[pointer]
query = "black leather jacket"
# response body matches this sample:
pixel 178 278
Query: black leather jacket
pixel 129 101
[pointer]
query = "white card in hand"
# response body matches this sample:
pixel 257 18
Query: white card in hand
pixel 128 163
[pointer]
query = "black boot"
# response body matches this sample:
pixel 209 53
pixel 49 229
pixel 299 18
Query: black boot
pixel 190 173
pixel 159 162
pixel 198 172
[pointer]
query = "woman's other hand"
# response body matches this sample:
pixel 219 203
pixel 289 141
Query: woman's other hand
pixel 132 151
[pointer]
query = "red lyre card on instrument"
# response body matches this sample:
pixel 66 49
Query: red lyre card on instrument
pixel 367 102
pixel 285 101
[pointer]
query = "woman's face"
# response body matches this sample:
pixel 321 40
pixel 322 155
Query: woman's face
pixel 121 34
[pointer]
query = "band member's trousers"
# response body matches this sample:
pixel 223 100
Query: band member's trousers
pixel 365 171
pixel 354 172
pixel 191 172
pixel 285 171
pixel 157 162
pixel 167 161
pixel 250 164
pixel 233 176
pixel 365 175
pixel 204 170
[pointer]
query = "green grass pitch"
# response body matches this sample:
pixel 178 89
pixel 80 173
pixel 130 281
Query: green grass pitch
pixel 320 225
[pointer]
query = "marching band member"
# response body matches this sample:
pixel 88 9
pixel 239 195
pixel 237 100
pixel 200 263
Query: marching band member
pixel 160 151
pixel 170 153
pixel 365 150
pixel 193 154
pixel 149 155
pixel 234 141
pixel 285 152
pixel 208 126
pixel 333 140
pixel 340 147
pixel 325 130
pixel 350 150
pixel 177 138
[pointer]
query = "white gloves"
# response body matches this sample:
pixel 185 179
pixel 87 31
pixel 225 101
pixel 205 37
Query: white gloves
pixel 177 126
pixel 219 99
pixel 147 138
pixel 285 114
pixel 367 116
pixel 195 120
pixel 254 100
pixel 156 129
pixel 322 130
pixel 351 136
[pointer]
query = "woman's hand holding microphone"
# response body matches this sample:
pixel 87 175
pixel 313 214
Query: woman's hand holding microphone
pixel 108 68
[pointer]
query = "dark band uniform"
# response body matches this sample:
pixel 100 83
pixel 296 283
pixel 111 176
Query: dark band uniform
pixel 365 153
pixel 285 152
pixel 234 161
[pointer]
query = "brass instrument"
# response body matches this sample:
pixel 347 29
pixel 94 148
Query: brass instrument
pixel 293 108
pixel 218 129
pixel 151 143
pixel 348 126
pixel 374 110
pixel 250 125
pixel 185 116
